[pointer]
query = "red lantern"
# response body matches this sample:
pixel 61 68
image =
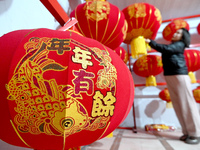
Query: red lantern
pixel 122 53
pixel 60 90
pixel 148 66
pixel 196 94
pixel 198 28
pixel 143 21
pixel 171 28
pixel 164 95
pixel 101 21
pixel 192 58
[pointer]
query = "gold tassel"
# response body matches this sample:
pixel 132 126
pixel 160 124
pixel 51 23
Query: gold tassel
pixel 138 47
pixel 93 0
pixel 151 81
pixel 192 77
pixel 169 105
pixel 148 47
pixel 110 135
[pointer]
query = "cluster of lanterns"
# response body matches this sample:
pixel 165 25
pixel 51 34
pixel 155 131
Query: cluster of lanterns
pixel 58 87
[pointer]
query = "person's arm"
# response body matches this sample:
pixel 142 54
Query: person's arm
pixel 176 47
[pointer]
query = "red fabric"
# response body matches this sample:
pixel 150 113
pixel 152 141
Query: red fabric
pixel 148 65
pixel 102 21
pixel 192 58
pixel 198 28
pixel 143 20
pixel 171 28
pixel 50 92
pixel 164 95
pixel 122 53
pixel 8 45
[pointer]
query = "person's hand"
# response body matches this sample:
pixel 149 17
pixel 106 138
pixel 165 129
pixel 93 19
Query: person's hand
pixel 147 40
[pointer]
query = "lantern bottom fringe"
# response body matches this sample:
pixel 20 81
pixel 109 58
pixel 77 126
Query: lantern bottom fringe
pixel 151 81
pixel 192 77
pixel 138 47
pixel 169 105
pixel 110 135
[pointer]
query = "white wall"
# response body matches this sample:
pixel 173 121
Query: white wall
pixel 29 14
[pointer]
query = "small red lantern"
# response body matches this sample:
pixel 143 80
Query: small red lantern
pixel 192 58
pixel 102 21
pixel 164 95
pixel 148 66
pixel 198 28
pixel 60 90
pixel 143 21
pixel 196 94
pixel 122 53
pixel 171 28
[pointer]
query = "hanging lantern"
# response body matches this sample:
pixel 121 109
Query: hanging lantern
pixel 60 90
pixel 196 94
pixel 148 66
pixel 192 58
pixel 172 27
pixel 165 96
pixel 122 53
pixel 198 28
pixel 101 21
pixel 143 21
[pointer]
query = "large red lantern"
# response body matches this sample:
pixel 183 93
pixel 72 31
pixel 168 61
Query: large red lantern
pixel 192 58
pixel 171 28
pixel 122 53
pixel 101 21
pixel 143 21
pixel 165 96
pixel 60 90
pixel 196 94
pixel 148 66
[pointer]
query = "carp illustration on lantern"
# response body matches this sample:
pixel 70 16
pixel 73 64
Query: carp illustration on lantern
pixel 164 95
pixel 171 28
pixel 102 21
pixel 60 87
pixel 143 20
pixel 192 58
pixel 148 66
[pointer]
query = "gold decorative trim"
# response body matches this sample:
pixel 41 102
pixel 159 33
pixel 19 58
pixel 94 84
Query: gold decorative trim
pixel 18 134
pixel 104 130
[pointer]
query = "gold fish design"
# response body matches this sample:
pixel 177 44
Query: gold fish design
pixel 43 106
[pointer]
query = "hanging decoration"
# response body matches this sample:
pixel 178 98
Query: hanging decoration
pixel 60 90
pixel 102 21
pixel 165 96
pixel 143 21
pixel 192 58
pixel 148 66
pixel 196 94
pixel 172 27
pixel 122 53
pixel 198 28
